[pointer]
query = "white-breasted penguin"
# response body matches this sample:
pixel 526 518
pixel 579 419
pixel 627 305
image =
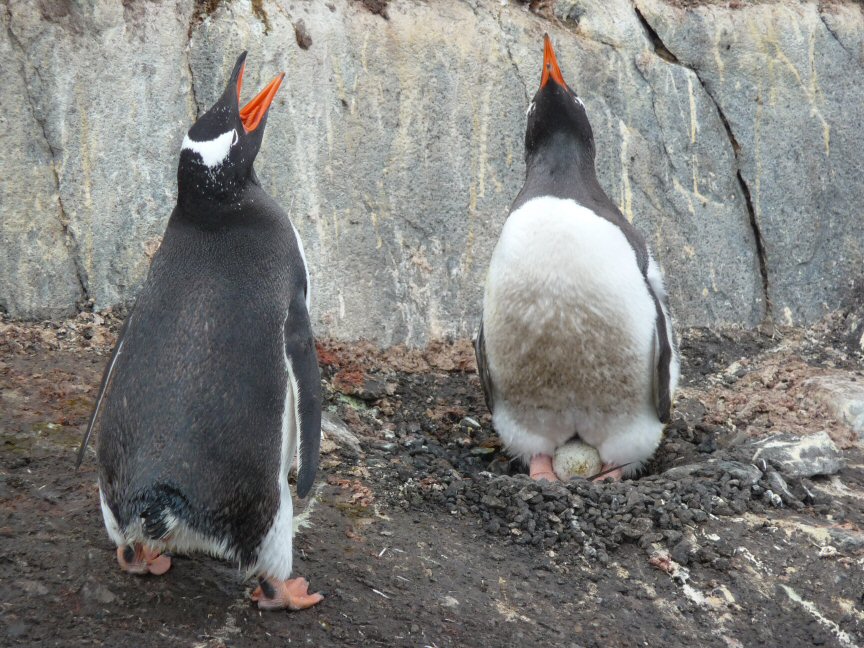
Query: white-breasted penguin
pixel 214 381
pixel 576 337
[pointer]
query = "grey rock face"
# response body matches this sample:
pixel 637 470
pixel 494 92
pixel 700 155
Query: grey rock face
pixel 785 76
pixel 396 147
pixel 37 268
pixel 795 456
pixel 109 87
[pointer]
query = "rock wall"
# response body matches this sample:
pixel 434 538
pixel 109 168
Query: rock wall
pixel 730 136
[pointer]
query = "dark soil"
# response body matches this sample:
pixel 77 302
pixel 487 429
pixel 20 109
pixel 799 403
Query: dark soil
pixel 431 537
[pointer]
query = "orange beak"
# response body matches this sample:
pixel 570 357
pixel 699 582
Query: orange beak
pixel 253 112
pixel 550 64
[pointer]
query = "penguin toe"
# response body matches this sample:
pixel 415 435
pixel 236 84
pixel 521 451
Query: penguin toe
pixel 540 467
pixel 138 559
pixel 291 594
pixel 159 564
pixel 130 560
pixel 610 471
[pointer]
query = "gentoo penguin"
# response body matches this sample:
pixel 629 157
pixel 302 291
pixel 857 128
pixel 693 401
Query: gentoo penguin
pixel 214 381
pixel 576 337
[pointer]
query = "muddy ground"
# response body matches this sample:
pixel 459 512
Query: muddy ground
pixel 425 535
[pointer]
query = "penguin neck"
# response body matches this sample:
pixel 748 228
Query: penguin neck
pixel 207 210
pixel 564 168
pixel 211 207
pixel 562 156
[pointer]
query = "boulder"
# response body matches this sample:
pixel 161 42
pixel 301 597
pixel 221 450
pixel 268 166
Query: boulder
pixel 799 456
pixel 844 396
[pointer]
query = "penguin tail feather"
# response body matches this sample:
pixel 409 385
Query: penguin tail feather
pixel 163 509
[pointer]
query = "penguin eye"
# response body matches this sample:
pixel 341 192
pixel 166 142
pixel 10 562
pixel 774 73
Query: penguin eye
pixel 235 139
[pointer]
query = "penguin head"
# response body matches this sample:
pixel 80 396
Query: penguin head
pixel 556 115
pixel 218 151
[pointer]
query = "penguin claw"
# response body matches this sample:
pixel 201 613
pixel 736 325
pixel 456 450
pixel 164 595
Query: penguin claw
pixel 138 559
pixel 610 471
pixel 291 594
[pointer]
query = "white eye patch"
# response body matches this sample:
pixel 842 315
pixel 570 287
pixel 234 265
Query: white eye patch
pixel 531 107
pixel 213 152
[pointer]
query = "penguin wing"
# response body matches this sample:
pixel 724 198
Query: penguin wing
pixel 662 361
pixel 103 388
pixel 305 378
pixel 483 367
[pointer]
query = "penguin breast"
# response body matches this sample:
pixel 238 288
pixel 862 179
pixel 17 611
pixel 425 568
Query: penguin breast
pixel 568 318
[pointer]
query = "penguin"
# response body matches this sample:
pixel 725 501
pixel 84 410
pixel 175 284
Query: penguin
pixel 575 338
pixel 214 387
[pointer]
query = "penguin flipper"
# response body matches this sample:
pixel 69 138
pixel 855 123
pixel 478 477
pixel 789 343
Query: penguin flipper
pixel 103 387
pixel 305 378
pixel 661 361
pixel 483 367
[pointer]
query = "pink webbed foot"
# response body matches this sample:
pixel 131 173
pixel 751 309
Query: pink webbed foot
pixel 540 467
pixel 291 594
pixel 138 559
pixel 610 471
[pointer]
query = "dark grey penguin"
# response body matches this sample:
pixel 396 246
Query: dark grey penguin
pixel 214 386
pixel 576 337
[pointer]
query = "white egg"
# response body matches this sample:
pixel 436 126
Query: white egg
pixel 576 459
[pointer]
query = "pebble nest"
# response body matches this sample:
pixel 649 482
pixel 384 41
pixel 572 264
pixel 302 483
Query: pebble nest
pixel 594 519
pixel 449 462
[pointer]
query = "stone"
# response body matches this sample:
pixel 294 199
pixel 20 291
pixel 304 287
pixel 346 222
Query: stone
pixel 335 434
pixel 847 540
pixel 680 472
pixel 32 588
pixel 746 474
pixel 844 396
pixel 16 629
pixel 98 593
pixel 682 552
pixel 396 146
pixel 779 486
pixel 799 456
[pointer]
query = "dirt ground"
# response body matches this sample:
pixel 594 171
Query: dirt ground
pixel 426 535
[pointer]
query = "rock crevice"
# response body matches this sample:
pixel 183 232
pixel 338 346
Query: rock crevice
pixel 665 53
pixel 70 241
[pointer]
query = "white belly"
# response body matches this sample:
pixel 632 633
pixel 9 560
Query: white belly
pixel 567 316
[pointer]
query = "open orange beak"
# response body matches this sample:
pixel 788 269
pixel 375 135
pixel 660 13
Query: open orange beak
pixel 253 112
pixel 550 64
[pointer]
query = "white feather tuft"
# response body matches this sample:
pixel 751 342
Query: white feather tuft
pixel 213 152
